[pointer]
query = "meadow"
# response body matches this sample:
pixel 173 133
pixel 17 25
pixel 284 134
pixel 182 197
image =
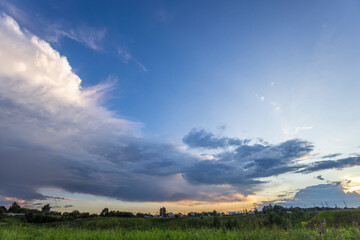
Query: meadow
pixel 338 224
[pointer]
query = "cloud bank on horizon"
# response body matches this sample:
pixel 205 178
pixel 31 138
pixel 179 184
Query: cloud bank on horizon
pixel 56 134
pixel 323 195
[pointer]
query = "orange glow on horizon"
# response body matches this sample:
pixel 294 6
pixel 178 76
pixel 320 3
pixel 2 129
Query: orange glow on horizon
pixel 352 185
pixel 12 199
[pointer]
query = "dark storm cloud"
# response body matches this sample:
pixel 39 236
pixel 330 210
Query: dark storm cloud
pixel 332 155
pixel 244 164
pixel 247 163
pixel 199 138
pixel 332 164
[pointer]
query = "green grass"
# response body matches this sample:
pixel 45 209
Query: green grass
pixel 342 224
pixel 38 232
pixel 337 218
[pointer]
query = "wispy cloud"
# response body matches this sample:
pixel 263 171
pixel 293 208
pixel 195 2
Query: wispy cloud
pixel 89 36
pixel 275 106
pixel 126 56
pixel 332 155
pixel 261 98
pixel 53 31
pixel 288 132
pixel 301 128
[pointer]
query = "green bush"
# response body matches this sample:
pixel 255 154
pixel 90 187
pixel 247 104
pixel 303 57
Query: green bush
pixel 40 218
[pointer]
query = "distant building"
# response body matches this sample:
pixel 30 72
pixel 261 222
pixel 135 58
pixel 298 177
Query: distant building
pixel 14 214
pixel 251 213
pixel 146 216
pixel 192 214
pixel 233 213
pixel 156 215
pixel 171 215
pixel 180 215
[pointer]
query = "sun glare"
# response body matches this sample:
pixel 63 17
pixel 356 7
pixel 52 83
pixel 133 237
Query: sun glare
pixel 352 185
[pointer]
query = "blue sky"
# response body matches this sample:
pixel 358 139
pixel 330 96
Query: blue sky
pixel 201 86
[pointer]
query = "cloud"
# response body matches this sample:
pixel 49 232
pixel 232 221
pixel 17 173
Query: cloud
pixel 7 201
pixel 55 133
pixel 320 178
pixel 244 165
pixel 298 129
pixel 201 138
pixel 352 184
pixel 126 57
pixel 124 54
pixel 37 204
pixel 276 106
pixel 261 98
pixel 53 31
pixel 332 164
pixel 332 193
pixel 68 206
pixel 332 155
pixel 89 36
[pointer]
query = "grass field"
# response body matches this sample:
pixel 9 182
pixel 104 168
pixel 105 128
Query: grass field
pixel 342 224
pixel 36 232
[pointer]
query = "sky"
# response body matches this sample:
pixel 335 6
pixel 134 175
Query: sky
pixel 195 106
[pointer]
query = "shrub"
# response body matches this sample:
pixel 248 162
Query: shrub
pixel 39 218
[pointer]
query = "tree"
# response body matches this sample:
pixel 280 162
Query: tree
pixel 215 213
pixel 279 209
pixel 14 208
pixel 46 208
pixel 104 212
pixel 2 210
pixel 267 209
pixel 74 214
pixel 163 212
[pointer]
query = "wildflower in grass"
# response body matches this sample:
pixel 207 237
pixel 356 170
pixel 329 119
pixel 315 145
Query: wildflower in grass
pixel 303 224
